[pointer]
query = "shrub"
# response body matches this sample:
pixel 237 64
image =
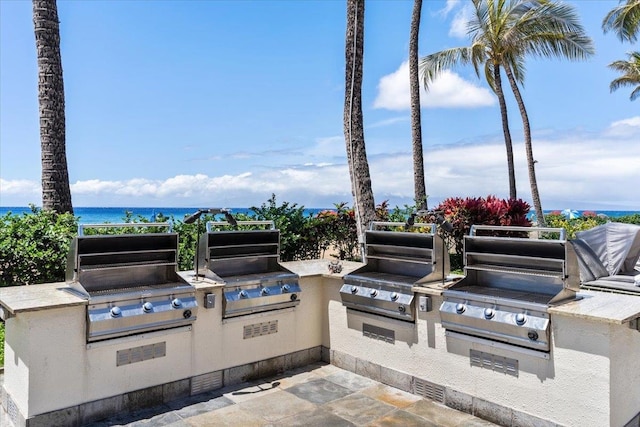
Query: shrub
pixel 337 230
pixel 34 246
pixel 573 225
pixel 463 213
pixel 297 239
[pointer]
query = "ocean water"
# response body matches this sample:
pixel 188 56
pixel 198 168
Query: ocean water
pixel 88 215
pixel 94 215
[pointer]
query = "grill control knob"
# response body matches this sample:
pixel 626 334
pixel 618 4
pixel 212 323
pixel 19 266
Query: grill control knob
pixel 354 289
pixel 147 307
pixel 460 308
pixel 116 312
pixel 489 313
pixel 176 303
pixel 394 296
pixel 521 319
pixel 373 293
pixel 402 309
pixel 285 288
pixel 533 335
pixel 243 294
pixel 294 297
pixel 265 291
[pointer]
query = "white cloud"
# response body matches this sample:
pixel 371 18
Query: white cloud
pixel 18 187
pixel 449 90
pixel 601 172
pixel 625 128
pixel 449 6
pixel 459 23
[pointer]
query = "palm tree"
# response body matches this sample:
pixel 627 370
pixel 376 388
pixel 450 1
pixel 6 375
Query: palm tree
pixel 364 205
pixel 485 50
pixel 512 30
pixel 630 70
pixel 416 126
pixel 624 20
pixel 56 194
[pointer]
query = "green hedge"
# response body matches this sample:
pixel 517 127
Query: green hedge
pixel 34 246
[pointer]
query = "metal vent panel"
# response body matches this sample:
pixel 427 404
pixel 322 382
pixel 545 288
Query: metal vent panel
pixel 494 362
pixel 141 353
pixel 260 329
pixel 206 382
pixel 12 410
pixel 429 390
pixel 378 333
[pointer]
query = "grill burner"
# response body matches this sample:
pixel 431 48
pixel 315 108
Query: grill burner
pixel 130 280
pixel 247 262
pixel 510 281
pixel 395 262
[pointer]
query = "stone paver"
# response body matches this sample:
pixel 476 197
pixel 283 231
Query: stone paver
pixel 318 395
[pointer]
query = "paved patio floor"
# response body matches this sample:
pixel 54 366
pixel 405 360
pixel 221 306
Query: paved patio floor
pixel 317 395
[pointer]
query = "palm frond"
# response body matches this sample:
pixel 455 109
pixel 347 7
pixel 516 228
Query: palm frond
pixel 624 20
pixel 432 65
pixel 630 70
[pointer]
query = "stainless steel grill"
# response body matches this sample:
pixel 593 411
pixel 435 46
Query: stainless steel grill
pixel 130 280
pixel 395 262
pixel 247 262
pixel 512 276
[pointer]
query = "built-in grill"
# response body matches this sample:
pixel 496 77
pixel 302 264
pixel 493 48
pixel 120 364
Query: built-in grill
pixel 130 280
pixel 395 262
pixel 512 276
pixel 247 261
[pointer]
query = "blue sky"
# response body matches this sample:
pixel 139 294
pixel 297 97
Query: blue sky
pixel 222 103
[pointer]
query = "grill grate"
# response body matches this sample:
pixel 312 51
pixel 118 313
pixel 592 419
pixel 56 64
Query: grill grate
pixel 260 329
pixel 142 353
pixel 494 362
pixel 429 390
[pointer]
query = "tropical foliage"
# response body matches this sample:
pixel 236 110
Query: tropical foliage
pixel 630 74
pixel 462 213
pixel 624 20
pixel 503 33
pixel 34 246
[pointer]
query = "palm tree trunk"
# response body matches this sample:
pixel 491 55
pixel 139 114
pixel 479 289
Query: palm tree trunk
pixel 416 126
pixel 505 130
pixel 535 196
pixel 56 194
pixel 353 123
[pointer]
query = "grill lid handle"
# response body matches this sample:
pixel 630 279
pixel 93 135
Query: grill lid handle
pixel 169 226
pixel 561 231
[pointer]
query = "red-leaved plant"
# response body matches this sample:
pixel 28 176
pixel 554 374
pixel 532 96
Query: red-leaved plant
pixel 463 213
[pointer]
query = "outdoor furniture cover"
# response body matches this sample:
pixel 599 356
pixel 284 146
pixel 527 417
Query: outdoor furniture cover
pixel 608 256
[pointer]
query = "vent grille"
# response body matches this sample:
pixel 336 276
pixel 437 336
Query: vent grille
pixel 429 390
pixel 139 354
pixel 378 333
pixel 206 382
pixel 12 410
pixel 260 329
pixel 494 362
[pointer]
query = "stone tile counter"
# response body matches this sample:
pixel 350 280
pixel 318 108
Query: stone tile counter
pixel 601 306
pixel 18 299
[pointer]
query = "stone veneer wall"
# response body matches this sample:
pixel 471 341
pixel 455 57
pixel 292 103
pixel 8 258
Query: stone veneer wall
pixel 490 411
pixel 160 394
